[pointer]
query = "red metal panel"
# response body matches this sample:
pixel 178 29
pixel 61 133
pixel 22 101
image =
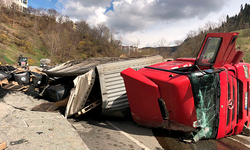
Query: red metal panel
pixel 244 114
pixel 175 90
pixel 178 96
pixel 173 64
pixel 143 97
pixel 186 59
pixel 223 105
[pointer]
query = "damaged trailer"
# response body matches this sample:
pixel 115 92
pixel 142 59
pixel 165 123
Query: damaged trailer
pixel 79 85
pixel 113 93
pixel 207 97
pixel 98 82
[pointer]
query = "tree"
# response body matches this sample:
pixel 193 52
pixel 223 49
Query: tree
pixel 52 14
pixel 7 3
pixel 82 28
pixel 51 38
pixel 222 23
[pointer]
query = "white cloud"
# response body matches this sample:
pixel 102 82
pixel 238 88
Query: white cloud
pixel 149 20
pixel 139 14
pixel 90 10
pixel 97 17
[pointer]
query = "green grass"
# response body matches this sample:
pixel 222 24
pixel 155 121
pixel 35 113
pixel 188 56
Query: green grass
pixel 243 44
pixel 8 60
pixel 13 47
pixel 39 50
pixel 10 27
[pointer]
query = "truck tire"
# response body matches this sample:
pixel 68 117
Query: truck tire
pixel 246 130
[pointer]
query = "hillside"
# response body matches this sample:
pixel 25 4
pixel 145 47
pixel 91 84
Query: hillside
pixel 243 43
pixel 46 33
pixel 15 41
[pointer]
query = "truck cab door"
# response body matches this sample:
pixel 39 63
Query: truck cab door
pixel 217 49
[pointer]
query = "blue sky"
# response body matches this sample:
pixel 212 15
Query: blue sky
pixel 43 3
pixel 53 4
pixel 147 21
pixel 111 8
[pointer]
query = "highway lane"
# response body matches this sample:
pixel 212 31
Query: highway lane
pixel 114 133
pixel 101 133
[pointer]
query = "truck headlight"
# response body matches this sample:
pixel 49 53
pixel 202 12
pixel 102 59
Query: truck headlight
pixel 246 71
pixel 246 99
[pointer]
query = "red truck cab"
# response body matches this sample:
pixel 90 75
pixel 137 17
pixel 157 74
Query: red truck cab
pixel 207 96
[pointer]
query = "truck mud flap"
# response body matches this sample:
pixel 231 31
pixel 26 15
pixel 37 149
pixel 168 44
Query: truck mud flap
pixel 143 95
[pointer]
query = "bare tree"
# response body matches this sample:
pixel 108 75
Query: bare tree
pixel 210 26
pixel 162 42
pixel 7 3
pixel 178 42
pixel 52 13
pixel 82 27
pixel 113 32
pixel 51 38
pixel 222 23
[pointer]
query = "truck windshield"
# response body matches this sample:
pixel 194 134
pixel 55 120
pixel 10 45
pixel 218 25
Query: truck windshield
pixel 206 91
pixel 209 51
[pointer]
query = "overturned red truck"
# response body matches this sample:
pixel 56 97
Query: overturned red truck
pixel 207 96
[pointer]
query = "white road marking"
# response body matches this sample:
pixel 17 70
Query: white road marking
pixel 128 136
pixel 247 145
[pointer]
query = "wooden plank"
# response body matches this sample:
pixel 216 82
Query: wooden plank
pixel 3 146
pixel 62 103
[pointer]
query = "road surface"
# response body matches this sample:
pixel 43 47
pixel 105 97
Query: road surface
pixel 102 133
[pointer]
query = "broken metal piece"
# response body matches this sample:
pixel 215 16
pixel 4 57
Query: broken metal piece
pixel 19 142
pixel 88 108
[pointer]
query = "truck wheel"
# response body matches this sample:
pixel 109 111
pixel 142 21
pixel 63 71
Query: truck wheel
pixel 246 131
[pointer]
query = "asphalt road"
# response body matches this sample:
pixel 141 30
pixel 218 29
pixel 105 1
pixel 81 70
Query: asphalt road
pixel 105 133
pixel 102 133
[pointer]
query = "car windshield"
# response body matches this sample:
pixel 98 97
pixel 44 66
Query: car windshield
pixel 210 51
pixel 23 59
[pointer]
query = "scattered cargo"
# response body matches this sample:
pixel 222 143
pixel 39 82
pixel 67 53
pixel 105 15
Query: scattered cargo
pixel 45 62
pixel 80 85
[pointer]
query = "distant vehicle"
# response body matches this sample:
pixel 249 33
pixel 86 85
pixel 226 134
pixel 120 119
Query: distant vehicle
pixel 45 62
pixel 43 65
pixel 22 62
pixel 207 96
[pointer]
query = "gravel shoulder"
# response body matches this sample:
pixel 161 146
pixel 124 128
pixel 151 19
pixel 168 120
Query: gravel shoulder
pixel 22 128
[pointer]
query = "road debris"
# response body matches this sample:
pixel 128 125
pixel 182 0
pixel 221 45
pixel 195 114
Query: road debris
pixel 3 146
pixel 76 86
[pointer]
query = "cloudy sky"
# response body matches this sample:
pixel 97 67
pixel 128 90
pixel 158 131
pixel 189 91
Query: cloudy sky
pixel 145 22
